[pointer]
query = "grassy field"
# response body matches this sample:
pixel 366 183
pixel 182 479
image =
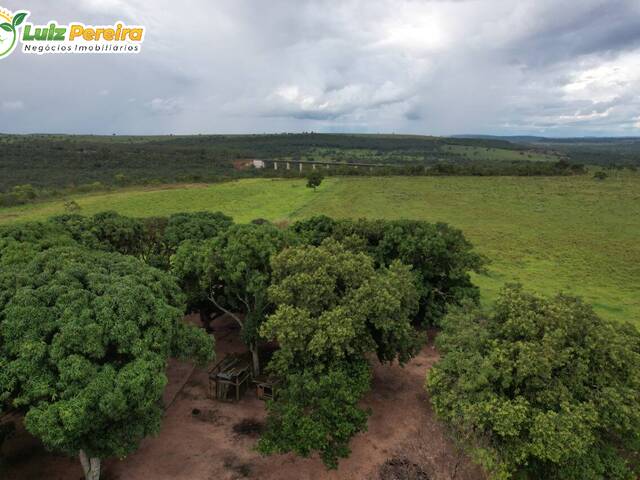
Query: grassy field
pixel 550 233
pixel 482 153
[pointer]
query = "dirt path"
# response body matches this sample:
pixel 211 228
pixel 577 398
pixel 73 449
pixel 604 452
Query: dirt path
pixel 402 427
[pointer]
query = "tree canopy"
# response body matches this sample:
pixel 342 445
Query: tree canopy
pixel 84 340
pixel 165 234
pixel 194 226
pixel 108 231
pixel 332 308
pixel 19 243
pixel 440 255
pixel 314 179
pixel 231 273
pixel 543 386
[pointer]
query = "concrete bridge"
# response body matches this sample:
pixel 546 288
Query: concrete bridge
pixel 286 164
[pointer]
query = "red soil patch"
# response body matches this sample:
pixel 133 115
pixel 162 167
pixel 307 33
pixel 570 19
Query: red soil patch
pixel 202 439
pixel 242 164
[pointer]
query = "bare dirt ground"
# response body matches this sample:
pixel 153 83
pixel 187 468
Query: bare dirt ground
pixel 403 442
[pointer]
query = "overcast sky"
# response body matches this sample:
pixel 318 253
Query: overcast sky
pixel 556 68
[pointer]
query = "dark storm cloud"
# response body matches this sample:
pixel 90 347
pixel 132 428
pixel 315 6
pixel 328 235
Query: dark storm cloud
pixel 435 67
pixel 572 29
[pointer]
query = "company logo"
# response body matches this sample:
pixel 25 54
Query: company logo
pixel 75 37
pixel 9 30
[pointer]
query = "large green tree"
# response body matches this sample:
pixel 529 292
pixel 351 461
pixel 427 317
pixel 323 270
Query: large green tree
pixel 153 239
pixel 163 235
pixel 183 244
pixel 543 387
pixel 107 231
pixel 333 308
pixel 84 341
pixel 194 226
pixel 234 272
pixel 118 233
pixel 166 234
pixel 440 255
pixel 18 243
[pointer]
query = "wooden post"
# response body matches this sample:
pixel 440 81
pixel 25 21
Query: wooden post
pixel 275 165
pixel 300 166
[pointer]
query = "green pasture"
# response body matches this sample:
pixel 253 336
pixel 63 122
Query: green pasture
pixel 573 234
pixel 488 154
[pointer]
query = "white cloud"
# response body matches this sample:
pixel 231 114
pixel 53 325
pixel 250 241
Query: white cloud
pixel 166 106
pixel 12 105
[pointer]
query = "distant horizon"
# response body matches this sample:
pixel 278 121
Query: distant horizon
pixel 400 134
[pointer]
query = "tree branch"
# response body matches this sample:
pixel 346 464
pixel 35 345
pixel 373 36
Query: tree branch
pixel 245 301
pixel 228 312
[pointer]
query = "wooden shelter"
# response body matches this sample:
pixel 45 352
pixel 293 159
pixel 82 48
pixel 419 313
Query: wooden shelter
pixel 265 387
pixel 230 377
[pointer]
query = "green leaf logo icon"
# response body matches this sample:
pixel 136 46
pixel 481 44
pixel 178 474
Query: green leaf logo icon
pixel 19 18
pixel 11 28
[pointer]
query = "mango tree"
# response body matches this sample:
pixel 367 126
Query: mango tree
pixel 237 273
pixel 84 341
pixel 440 255
pixel 543 388
pixel 166 234
pixel 107 231
pixel 194 226
pixel 332 309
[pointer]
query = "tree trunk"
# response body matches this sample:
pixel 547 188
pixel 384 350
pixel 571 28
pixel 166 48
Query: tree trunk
pixel 90 466
pixel 205 318
pixel 256 359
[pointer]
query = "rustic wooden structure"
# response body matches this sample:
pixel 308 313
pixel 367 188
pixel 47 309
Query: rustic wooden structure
pixel 229 378
pixel 265 387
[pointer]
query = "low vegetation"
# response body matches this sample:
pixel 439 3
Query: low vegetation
pixel 314 179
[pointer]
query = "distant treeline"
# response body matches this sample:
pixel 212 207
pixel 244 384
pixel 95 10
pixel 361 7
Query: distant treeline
pixel 42 166
pixel 603 151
